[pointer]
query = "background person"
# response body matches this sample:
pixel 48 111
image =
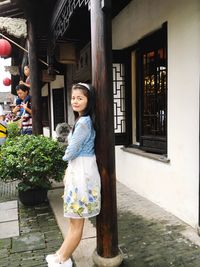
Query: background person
pixel 27 74
pixel 20 103
pixel 26 119
pixel 27 84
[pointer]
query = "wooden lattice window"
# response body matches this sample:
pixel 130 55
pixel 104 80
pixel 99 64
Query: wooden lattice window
pixel 121 96
pixel 152 92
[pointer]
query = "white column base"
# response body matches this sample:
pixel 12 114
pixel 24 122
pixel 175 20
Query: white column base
pixel 107 262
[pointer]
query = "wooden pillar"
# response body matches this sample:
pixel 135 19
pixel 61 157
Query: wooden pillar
pixel 35 81
pixel 101 47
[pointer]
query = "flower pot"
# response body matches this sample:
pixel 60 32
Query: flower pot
pixel 33 197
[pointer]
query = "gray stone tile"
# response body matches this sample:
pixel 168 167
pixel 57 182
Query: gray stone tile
pixel 9 225
pixel 28 242
pixel 8 215
pixel 8 205
pixel 9 229
pixel 8 211
pixel 5 244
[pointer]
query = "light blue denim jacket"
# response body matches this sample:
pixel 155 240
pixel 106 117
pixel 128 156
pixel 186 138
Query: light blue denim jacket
pixel 81 141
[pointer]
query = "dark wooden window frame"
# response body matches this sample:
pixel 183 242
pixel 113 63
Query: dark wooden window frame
pixel 157 144
pixel 150 143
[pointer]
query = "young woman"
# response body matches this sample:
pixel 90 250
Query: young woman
pixel 27 74
pixel 82 180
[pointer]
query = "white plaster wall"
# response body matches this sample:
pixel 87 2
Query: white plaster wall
pixel 174 186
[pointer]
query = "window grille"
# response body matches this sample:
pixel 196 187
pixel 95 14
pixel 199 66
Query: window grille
pixel 154 95
pixel 152 92
pixel 119 98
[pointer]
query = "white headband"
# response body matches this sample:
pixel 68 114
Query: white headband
pixel 85 85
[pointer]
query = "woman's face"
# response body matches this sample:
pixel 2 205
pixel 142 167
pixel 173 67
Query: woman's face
pixel 78 101
pixel 26 71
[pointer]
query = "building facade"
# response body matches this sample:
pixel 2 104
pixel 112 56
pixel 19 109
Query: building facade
pixel 161 159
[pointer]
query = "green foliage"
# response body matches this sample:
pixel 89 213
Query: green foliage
pixel 13 129
pixel 33 160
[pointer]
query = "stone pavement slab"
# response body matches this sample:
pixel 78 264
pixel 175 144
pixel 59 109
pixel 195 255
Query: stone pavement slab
pixel 9 229
pixel 9 225
pixel 83 254
pixel 27 242
pixel 8 205
pixel 39 236
pixel 7 214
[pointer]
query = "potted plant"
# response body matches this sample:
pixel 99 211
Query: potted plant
pixel 34 161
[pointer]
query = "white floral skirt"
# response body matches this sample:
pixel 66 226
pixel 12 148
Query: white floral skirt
pixel 82 194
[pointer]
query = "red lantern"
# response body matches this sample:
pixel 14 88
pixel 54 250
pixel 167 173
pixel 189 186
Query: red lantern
pixel 5 48
pixel 7 81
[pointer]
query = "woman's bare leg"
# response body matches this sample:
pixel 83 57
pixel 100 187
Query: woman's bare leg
pixel 72 239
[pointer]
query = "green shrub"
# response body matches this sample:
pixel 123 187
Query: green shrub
pixel 35 161
pixel 13 129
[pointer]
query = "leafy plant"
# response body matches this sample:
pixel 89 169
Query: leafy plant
pixel 33 160
pixel 13 129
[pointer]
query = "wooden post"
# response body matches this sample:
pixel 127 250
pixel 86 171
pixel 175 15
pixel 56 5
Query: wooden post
pixel 101 47
pixel 35 82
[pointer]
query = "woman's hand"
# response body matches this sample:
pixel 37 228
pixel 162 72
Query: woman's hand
pixel 15 109
pixel 25 105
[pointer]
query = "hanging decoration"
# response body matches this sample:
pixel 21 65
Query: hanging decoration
pixel 5 48
pixel 7 81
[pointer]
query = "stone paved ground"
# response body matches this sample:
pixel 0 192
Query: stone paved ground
pixel 148 236
pixel 39 234
pixel 150 243
pixel 151 237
